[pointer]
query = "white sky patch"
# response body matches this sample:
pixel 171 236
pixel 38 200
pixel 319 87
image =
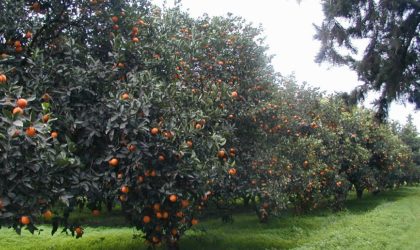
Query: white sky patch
pixel 289 31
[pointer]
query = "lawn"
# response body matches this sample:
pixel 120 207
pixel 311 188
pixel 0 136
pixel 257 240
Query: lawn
pixel 390 220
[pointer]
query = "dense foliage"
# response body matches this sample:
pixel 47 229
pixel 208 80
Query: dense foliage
pixel 120 103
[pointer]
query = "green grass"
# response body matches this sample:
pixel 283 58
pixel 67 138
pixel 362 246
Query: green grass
pixel 390 220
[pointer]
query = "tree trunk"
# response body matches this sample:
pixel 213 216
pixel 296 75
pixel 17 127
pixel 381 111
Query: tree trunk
pixel 359 192
pixel 172 245
pixel 246 201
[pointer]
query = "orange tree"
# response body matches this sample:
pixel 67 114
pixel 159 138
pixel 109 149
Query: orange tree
pixel 142 97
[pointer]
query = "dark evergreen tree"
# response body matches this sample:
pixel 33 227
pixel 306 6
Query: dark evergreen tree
pixel 391 59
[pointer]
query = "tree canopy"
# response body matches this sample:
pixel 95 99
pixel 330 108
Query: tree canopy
pixel 391 58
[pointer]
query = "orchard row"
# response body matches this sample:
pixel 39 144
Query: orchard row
pixel 109 103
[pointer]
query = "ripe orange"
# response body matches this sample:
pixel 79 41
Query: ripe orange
pixel 114 19
pixel 28 35
pixel 115 27
pixel 47 214
pixel 189 144
pixel 135 40
pixel 221 154
pixel 174 231
pixel 45 118
pixel 124 189
pixel 165 215
pixel 18 49
pixel 131 147
pixel 194 222
pixel 232 171
pixel 305 164
pixel 125 96
pixel 135 30
pixel 31 131
pixel 161 158
pixel 96 212
pixel 18 44
pixel 78 231
pixel 159 215
pixel 154 131
pixel 25 220
pixel 113 162
pixel 140 179
pixel 54 134
pixel 173 198
pixel 198 126
pixel 3 78
pixel 18 111
pixel 234 94
pixel 232 152
pixel 146 219
pixel 22 103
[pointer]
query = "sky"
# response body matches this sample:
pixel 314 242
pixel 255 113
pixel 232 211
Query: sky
pixel 288 27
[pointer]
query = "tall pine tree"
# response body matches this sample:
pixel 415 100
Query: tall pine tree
pixel 391 59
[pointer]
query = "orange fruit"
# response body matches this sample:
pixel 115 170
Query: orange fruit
pixel 25 220
pixel 125 96
pixel 47 214
pixel 115 27
pixel 131 147
pixel 221 154
pixel 3 78
pixel 173 198
pixel 161 158
pixel 198 126
pixel 31 131
pixel 189 144
pixel 114 19
pixel 159 215
pixel 135 40
pixel 232 152
pixel 18 111
pixel 18 44
pixel 124 189
pixel 232 171
pixel 154 131
pixel 174 231
pixel 146 219
pixel 140 179
pixel 165 215
pixel 45 118
pixel 135 30
pixel 54 134
pixel 113 162
pixel 28 35
pixel 96 212
pixel 78 231
pixel 194 222
pixel 22 103
pixel 18 49
pixel 234 94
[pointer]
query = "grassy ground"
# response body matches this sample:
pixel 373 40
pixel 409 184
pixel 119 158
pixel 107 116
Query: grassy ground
pixel 390 220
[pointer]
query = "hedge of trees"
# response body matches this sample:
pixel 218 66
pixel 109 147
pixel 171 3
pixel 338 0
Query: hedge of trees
pixel 121 103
